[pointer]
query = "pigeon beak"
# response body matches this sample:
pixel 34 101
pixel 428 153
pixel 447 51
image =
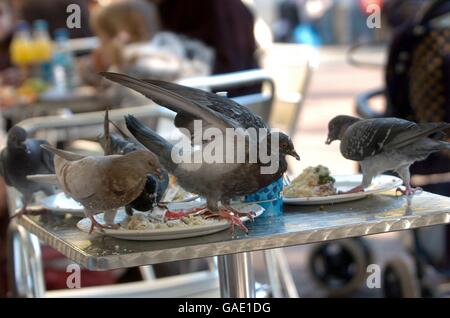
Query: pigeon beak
pixel 328 141
pixel 24 146
pixel 294 154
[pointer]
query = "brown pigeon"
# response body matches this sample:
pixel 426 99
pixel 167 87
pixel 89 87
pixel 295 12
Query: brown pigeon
pixel 103 183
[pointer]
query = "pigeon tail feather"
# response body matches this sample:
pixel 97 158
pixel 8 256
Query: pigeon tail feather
pixel 67 155
pixel 425 130
pixel 152 141
pixel 106 133
pixel 44 178
pixel 121 132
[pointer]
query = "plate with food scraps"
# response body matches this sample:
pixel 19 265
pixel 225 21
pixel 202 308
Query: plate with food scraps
pixel 326 191
pixel 61 203
pixel 143 226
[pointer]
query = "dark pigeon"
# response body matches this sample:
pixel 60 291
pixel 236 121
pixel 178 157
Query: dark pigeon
pixel 386 144
pixel 21 157
pixel 217 182
pixel 155 187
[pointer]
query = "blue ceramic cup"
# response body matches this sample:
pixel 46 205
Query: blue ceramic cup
pixel 271 197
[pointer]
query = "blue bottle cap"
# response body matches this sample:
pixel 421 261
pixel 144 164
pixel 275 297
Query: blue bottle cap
pixel 22 26
pixel 40 25
pixel 61 34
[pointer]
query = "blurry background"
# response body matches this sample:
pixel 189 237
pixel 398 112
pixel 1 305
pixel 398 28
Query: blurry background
pixel 48 68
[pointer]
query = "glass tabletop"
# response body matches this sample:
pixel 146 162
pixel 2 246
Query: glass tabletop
pixel 298 225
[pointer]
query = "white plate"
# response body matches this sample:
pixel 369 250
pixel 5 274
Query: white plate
pixel 343 183
pixel 61 203
pixel 166 233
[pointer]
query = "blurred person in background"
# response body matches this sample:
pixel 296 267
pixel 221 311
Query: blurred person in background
pixel 132 42
pixel 6 31
pixel 288 19
pixel 399 12
pixel 417 80
pixel 226 26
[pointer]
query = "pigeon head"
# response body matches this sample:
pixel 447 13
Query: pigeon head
pixel 147 162
pixel 338 126
pixel 17 137
pixel 285 144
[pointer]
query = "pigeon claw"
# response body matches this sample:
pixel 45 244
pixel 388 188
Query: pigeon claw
pixel 250 215
pixel 226 213
pixel 26 211
pixel 95 224
pixel 231 216
pixel 408 191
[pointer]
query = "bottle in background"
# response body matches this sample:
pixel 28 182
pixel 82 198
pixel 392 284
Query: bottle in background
pixel 42 48
pixel 21 49
pixel 65 75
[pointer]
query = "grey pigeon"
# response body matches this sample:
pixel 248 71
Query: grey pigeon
pixel 154 188
pixel 216 181
pixel 23 156
pixel 386 144
pixel 103 183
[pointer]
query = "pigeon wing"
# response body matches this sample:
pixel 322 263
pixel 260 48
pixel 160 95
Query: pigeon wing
pixel 173 100
pixel 3 170
pixel 244 117
pixel 417 132
pixel 369 137
pixel 47 158
pixel 121 178
pixel 81 179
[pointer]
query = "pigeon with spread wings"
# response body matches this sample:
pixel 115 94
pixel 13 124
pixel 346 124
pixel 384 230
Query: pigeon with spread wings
pixel 218 181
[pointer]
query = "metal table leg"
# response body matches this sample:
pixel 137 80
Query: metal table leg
pixel 26 273
pixel 273 273
pixel 236 276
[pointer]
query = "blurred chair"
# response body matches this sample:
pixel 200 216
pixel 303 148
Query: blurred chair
pixel 260 103
pixel 291 66
pixel 364 107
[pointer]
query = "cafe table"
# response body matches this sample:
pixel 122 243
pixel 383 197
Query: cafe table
pixel 298 225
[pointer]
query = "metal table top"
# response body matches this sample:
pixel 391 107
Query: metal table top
pixel 298 225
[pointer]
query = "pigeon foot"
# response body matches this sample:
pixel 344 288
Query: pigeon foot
pixel 95 224
pixel 225 213
pixel 175 215
pixel 409 191
pixel 27 211
pixel 251 215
